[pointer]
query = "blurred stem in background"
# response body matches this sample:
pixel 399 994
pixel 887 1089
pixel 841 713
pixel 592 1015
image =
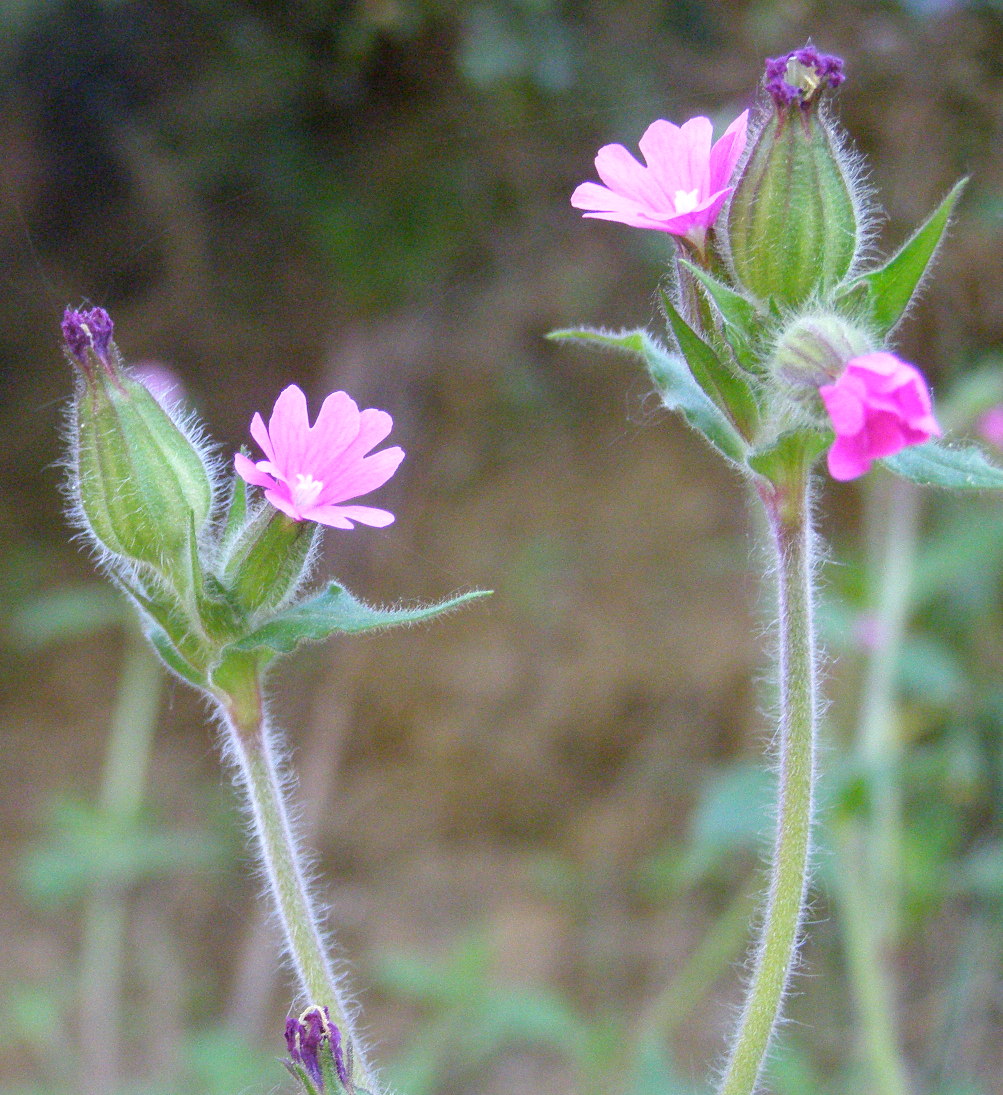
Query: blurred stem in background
pixel 123 785
pixel 868 846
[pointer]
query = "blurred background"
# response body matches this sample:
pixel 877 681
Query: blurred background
pixel 539 822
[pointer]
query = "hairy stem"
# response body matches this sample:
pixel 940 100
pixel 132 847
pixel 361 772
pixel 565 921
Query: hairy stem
pixel 791 538
pixel 251 741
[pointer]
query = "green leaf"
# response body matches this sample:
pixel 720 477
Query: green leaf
pixel 335 609
pixel 789 454
pixel 955 467
pixel 734 308
pixel 728 391
pixel 675 384
pixel 892 286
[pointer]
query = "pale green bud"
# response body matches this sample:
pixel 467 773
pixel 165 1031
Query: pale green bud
pixel 141 483
pixel 793 222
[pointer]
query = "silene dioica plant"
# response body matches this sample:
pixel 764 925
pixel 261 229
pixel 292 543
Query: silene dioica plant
pixel 218 576
pixel 781 336
pixel 781 329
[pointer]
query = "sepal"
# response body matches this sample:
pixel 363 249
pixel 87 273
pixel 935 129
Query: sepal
pixel 269 559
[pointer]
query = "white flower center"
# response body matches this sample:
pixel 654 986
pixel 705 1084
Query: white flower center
pixel 686 200
pixel 305 490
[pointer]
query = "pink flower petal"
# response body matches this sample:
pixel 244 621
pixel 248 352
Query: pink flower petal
pixel 309 470
pixel 622 173
pixel 679 189
pixel 345 515
pixel 287 429
pixel 878 406
pixel 727 152
pixel 280 499
pixel 677 157
pixel 259 431
pixel 848 459
pixel 360 478
pixel 337 426
pixel 251 473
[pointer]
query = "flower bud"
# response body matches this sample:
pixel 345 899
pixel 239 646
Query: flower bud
pixel 270 559
pixel 793 223
pixel 316 1057
pixel 141 483
pixel 814 350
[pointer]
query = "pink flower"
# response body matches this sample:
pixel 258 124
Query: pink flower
pixel 681 190
pixel 311 470
pixel 990 426
pixel 878 406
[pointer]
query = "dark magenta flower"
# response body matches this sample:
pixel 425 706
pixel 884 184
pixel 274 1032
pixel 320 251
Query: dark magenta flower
pixel 878 405
pixel 311 471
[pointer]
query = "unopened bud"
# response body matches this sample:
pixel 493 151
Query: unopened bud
pixel 814 350
pixel 141 483
pixel 793 222
pixel 316 1056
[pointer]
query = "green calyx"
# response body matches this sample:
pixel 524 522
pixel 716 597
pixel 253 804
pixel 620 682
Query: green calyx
pixel 793 224
pixel 269 560
pixel 140 481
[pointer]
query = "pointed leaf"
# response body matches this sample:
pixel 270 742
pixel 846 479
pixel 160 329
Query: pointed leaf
pixel 892 286
pixel 739 314
pixel 955 467
pixel 335 609
pixel 675 384
pixel 730 392
pixel 741 320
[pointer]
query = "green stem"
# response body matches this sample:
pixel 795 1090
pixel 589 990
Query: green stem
pixel 893 506
pixel 791 537
pixel 104 915
pixel 251 741
pixel 713 953
pixel 868 973
pixel 869 850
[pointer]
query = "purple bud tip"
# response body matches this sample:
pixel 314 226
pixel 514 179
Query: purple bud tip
pixel 292 1039
pixel 801 76
pixel 339 1057
pixel 308 1037
pixel 87 328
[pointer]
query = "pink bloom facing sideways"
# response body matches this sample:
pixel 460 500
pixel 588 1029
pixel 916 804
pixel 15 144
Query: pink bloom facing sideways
pixel 877 406
pixel 683 186
pixel 311 470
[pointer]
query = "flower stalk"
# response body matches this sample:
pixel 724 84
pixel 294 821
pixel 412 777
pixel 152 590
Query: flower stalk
pixel 789 515
pixel 250 741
